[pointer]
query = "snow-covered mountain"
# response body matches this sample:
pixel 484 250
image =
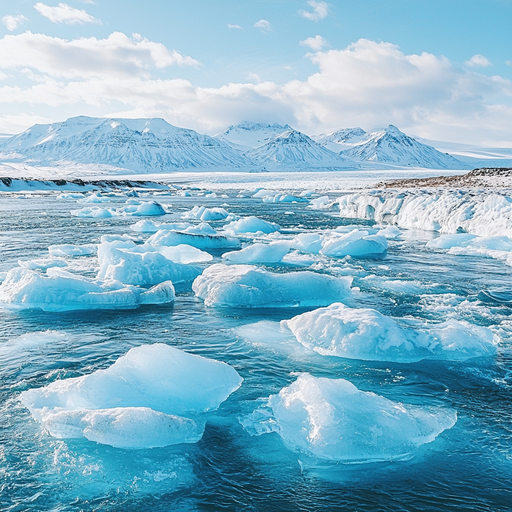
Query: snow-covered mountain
pixel 297 150
pixel 342 139
pixel 391 146
pixel 245 136
pixel 147 145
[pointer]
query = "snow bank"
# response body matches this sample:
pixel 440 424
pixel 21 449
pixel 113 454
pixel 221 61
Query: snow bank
pixel 366 334
pixel 357 243
pixel 332 419
pixel 273 252
pixel 62 291
pixel 72 250
pixel 251 225
pixel 129 263
pixel 249 286
pixel 206 214
pixel 139 401
pixel 446 212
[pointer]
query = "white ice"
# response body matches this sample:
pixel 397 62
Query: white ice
pixel 93 212
pixel 274 252
pixel 357 243
pixel 145 399
pixel 249 286
pixel 43 263
pixel 94 197
pixel 366 334
pixel 72 250
pixel 331 419
pixel 185 254
pixel 206 214
pixel 128 263
pixel 251 225
pixel 61 291
pixel 202 237
pixel 148 226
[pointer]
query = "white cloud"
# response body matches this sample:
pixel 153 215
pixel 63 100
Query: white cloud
pixel 478 61
pixel 508 62
pixel 320 11
pixel 117 55
pixel 234 26
pixel 64 13
pixel 263 25
pixel 366 84
pixel 254 77
pixel 13 22
pixel 315 43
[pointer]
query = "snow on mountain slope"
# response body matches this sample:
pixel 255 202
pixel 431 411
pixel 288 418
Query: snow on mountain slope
pixel 136 144
pixel 294 149
pixel 245 136
pixel 474 156
pixel 391 146
pixel 341 139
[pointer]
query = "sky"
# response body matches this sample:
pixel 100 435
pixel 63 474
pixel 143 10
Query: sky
pixel 436 69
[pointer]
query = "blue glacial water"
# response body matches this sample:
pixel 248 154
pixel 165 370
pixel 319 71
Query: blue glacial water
pixel 468 467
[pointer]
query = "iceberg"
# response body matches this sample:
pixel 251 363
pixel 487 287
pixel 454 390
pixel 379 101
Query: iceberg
pixel 359 244
pixel 206 214
pixel 273 252
pixel 251 287
pixel 340 331
pixel 199 237
pixel 94 197
pixel 142 265
pixel 151 208
pixel 307 242
pixel 251 225
pixel 333 420
pixel 143 400
pixel 61 291
pixel 93 212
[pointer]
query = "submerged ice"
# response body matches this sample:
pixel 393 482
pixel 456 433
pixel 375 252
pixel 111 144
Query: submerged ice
pixel 331 419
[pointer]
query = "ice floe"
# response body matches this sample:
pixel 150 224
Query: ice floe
pixel 333 420
pixel 72 250
pixel 249 286
pixel 206 214
pixel 202 237
pixel 128 263
pixel 251 225
pixel 366 334
pixel 151 397
pixel 359 244
pixel 43 263
pixel 62 291
pixel 94 212
pixel 274 252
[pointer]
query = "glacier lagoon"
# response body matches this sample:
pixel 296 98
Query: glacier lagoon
pixel 448 449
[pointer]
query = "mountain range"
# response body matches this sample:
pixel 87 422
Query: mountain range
pixel 153 145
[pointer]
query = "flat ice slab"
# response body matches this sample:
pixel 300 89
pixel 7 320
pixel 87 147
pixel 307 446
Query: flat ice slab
pixel 250 286
pixel 331 419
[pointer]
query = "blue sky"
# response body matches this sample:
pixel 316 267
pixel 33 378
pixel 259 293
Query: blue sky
pixel 441 70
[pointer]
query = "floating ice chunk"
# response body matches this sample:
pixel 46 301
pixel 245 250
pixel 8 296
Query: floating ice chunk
pixel 206 214
pixel 366 334
pixel 43 263
pixel 140 265
pixel 93 212
pixel 184 193
pixel 157 376
pixel 185 254
pixel 162 293
pixel 390 232
pixel 284 198
pixel 148 226
pixel 72 250
pixel 251 225
pixel 332 419
pixel 320 203
pixel 307 242
pixel 200 239
pixel 94 197
pixel 148 209
pixel 132 201
pixel 123 427
pixel 70 195
pixel 116 238
pixel 261 192
pixel 62 291
pixel 249 286
pixel 357 243
pixel 273 252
